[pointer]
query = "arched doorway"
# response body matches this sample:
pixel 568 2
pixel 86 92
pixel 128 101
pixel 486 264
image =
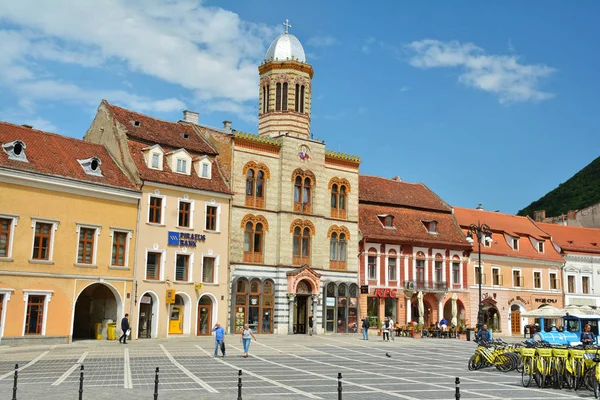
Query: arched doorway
pixel 96 304
pixel 460 312
pixel 302 306
pixel 426 310
pixel 515 319
pixel 176 316
pixel 148 316
pixel 254 305
pixel 204 316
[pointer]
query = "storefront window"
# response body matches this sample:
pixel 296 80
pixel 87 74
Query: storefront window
pixel 330 308
pixel 341 308
pixel 373 310
pixel 254 304
pixel 390 308
pixel 353 310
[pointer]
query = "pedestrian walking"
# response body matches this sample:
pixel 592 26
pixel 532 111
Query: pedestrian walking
pixel 365 328
pixel 310 325
pixel 245 338
pixel 386 330
pixel 219 339
pixel 125 329
pixel 392 328
pixel 484 335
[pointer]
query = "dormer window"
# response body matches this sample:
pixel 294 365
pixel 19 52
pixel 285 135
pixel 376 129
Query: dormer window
pixel 386 220
pixel 155 161
pixel 15 150
pixel 91 166
pixel 541 247
pixel 136 123
pixel 431 226
pixel 204 167
pixel 515 243
pixel 181 166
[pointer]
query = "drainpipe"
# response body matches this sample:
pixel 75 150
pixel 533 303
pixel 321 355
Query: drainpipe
pixel 135 254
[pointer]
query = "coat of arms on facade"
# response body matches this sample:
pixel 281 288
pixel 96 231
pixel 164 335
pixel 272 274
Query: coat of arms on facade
pixel 303 154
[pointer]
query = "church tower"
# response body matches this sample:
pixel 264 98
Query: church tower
pixel 285 89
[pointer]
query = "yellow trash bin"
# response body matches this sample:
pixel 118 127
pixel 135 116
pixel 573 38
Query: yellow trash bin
pixel 111 331
pixel 98 330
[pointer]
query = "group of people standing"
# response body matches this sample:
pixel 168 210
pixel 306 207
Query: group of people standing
pixel 387 326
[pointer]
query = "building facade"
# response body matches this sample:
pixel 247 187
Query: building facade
pixel 294 213
pixel 413 256
pixel 520 269
pixel 67 237
pixel 181 278
pixel 581 252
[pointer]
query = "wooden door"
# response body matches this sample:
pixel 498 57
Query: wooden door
pixel 516 322
pixel 176 321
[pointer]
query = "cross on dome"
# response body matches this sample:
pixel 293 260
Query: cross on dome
pixel 287 25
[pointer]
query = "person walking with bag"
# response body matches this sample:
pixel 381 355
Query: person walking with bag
pixel 365 328
pixel 246 337
pixel 219 339
pixel 125 329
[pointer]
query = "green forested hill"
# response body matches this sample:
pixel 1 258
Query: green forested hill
pixel 580 191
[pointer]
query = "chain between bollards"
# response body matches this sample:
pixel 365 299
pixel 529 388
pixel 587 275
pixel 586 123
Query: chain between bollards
pixel 81 384
pixel 156 385
pixel 457 383
pixel 239 385
pixel 339 386
pixel 15 382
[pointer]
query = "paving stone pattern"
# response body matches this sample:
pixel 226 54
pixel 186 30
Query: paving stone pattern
pixel 290 367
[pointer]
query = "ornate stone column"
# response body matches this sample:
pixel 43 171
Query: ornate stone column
pixel 408 310
pixel 315 304
pixel 291 297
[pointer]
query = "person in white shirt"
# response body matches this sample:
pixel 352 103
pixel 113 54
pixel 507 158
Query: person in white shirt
pixel 392 329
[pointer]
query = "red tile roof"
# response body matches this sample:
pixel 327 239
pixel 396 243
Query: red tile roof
pixel 55 155
pixel 377 190
pixel 512 225
pixel 573 239
pixel 154 130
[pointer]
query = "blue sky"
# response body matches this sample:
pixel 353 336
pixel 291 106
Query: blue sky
pixel 484 102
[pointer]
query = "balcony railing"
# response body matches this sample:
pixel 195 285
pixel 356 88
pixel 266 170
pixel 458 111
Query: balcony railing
pixel 429 286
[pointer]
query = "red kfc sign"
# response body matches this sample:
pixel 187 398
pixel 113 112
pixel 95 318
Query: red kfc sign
pixel 387 292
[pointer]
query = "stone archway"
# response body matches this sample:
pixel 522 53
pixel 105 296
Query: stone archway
pixel 148 316
pixel 303 293
pixel 96 304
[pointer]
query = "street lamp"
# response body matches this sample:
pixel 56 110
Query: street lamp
pixel 483 232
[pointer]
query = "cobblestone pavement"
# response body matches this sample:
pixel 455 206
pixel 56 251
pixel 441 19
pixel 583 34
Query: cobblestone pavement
pixel 291 367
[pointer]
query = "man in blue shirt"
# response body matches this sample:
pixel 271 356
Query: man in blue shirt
pixel 219 337
pixel 484 335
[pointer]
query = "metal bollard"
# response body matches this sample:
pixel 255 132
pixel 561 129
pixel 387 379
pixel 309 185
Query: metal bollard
pixel 457 383
pixel 81 384
pixel 156 385
pixel 239 385
pixel 339 386
pixel 15 382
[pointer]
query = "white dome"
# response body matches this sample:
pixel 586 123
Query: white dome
pixel 286 47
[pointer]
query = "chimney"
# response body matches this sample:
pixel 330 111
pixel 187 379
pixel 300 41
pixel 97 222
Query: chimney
pixel 227 126
pixel 479 207
pixel 27 126
pixel 539 216
pixel 191 116
pixel 397 178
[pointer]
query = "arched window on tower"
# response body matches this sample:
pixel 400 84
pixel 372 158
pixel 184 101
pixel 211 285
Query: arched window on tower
pixel 299 103
pixel 268 98
pixel 278 97
pixel 338 197
pixel 302 99
pixel 253 242
pixel 297 98
pixel 303 183
pixel 284 97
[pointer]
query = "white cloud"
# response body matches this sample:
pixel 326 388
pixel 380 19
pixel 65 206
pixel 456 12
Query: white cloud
pixel 501 75
pixel 206 50
pixel 368 44
pixel 322 41
pixel 404 89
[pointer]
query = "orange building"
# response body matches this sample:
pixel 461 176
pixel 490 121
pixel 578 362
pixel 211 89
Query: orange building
pixel 410 244
pixel 520 269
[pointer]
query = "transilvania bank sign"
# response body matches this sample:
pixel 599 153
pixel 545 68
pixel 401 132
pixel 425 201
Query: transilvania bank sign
pixel 185 239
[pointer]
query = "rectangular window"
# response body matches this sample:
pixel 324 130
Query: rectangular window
pixel 5 234
pixel 553 281
pixel 537 280
pixel 181 166
pixel 153 266
pixel 372 261
pixel 478 277
pixel 570 284
pixel 438 271
pixel 85 250
pixel 517 280
pixel 119 247
pixel 155 212
pixel 181 267
pixel 541 247
pixel 391 269
pixel 185 208
pixel 515 244
pixel 585 284
pixel 211 218
pixel 208 270
pixel 455 273
pixel 155 160
pixel 41 241
pixel 421 271
pixel 496 277
pixel 205 170
pixel 35 315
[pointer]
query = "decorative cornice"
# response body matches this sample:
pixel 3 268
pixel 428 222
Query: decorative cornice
pixel 256 138
pixel 255 219
pixel 271 65
pixel 302 224
pixel 257 166
pixel 338 230
pixel 339 182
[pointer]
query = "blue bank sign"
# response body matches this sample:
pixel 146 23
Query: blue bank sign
pixel 185 239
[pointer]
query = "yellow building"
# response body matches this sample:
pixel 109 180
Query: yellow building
pixel 181 285
pixel 67 236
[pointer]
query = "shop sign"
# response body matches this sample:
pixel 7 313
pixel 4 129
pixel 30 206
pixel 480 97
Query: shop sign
pixel 545 300
pixel 364 289
pixel 519 298
pixel 387 292
pixel 330 301
pixel 185 239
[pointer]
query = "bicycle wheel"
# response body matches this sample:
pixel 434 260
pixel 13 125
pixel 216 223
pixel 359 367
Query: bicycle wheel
pixel 596 383
pixel 503 363
pixel 558 378
pixel 527 372
pixel 589 379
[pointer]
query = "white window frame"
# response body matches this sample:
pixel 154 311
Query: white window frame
pixel 201 165
pixel 163 263
pixel 541 278
pixel 14 222
pixel 158 160
pixel 452 262
pixel 54 224
pixel 387 268
pixel 190 266
pixel 163 206
pixel 192 204
pixel 555 273
pixel 129 233
pixel 213 203
pixel 183 162
pixel 5 300
pixel 574 284
pixel 376 278
pixel 97 229
pixel 512 277
pixel 47 298
pixel 216 268
pixel 499 276
pixel 589 283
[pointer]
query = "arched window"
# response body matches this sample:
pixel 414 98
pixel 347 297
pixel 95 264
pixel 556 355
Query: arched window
pixel 303 183
pixel 299 103
pixel 254 227
pixel 338 247
pixel 392 270
pixel 255 184
pixel 302 99
pixel 420 268
pixel 333 247
pixel 266 94
pixel 284 97
pixel 438 273
pixel 278 97
pixel 301 238
pixel 268 302
pixel 456 270
pixel 297 98
pixel 338 188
